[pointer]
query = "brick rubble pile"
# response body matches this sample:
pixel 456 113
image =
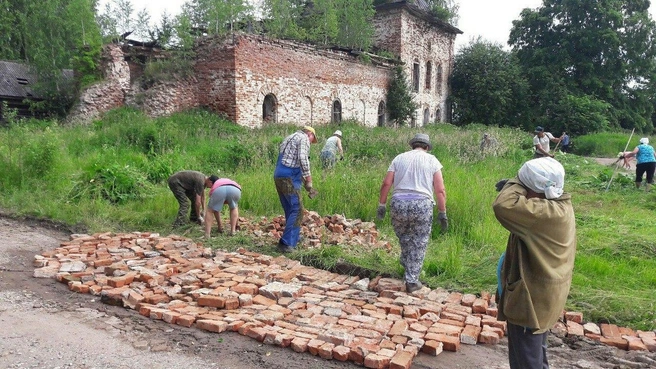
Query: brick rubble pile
pixel 278 301
pixel 318 231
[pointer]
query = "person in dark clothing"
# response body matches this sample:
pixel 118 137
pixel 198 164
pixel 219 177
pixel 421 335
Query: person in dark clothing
pixel 188 187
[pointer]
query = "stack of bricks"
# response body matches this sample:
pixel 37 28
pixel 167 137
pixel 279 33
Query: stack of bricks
pixel 320 230
pixel 278 301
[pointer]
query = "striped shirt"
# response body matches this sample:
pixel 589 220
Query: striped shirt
pixel 295 150
pixel 413 174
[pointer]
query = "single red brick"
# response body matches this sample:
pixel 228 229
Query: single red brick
pixel 341 353
pixel 620 343
pixel 216 326
pixel 326 351
pixel 313 346
pixel 376 361
pixel 299 344
pixel 170 316
pixel 232 303
pixel 488 337
pixel 431 347
pixel 211 301
pixel 470 334
pixel 402 360
pixel 574 316
pixel 185 320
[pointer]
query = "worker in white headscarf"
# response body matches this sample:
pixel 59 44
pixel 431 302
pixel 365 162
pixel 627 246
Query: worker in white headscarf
pixel 536 272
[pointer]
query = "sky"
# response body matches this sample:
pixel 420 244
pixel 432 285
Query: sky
pixel 487 18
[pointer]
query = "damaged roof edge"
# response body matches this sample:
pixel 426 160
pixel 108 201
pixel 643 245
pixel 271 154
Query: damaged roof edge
pixel 419 13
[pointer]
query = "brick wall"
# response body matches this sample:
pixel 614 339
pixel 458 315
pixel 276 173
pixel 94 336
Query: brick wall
pixel 305 81
pixel 418 40
pixel 234 74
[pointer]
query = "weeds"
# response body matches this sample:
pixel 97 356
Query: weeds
pixel 111 176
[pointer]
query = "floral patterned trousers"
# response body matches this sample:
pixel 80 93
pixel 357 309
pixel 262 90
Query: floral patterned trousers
pixel 412 221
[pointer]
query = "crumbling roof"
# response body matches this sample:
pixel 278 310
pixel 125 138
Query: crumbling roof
pixel 420 9
pixel 15 80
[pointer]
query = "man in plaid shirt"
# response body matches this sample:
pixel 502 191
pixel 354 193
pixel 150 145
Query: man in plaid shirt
pixel 292 170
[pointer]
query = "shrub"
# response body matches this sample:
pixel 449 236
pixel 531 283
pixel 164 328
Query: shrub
pixel 114 183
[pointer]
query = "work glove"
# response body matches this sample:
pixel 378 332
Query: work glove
pixel 500 184
pixel 380 212
pixel 307 183
pixel 444 222
pixel 312 193
pixel 201 220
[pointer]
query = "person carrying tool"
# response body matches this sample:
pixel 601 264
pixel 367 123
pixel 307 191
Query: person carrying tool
pixel 292 171
pixel 331 148
pixel 536 271
pixel 541 142
pixel 646 162
pixel 188 186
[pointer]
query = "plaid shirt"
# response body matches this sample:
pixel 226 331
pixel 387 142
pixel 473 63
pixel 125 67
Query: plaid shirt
pixel 295 150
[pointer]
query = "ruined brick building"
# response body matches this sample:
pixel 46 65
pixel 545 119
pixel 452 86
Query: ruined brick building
pixel 255 80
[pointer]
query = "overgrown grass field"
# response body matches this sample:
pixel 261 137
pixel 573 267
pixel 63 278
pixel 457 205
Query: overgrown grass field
pixel 111 176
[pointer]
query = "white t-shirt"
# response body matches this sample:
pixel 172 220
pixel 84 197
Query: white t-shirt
pixel 413 173
pixel 543 142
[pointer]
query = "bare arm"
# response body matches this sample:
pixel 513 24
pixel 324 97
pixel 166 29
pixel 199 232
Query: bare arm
pixel 440 191
pixel 385 187
pixel 339 147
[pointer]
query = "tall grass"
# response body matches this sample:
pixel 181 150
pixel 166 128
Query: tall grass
pixel 111 176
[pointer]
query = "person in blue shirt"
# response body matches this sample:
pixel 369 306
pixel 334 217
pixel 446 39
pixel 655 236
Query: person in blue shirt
pixel 564 140
pixel 646 162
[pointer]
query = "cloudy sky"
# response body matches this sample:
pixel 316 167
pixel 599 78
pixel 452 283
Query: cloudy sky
pixel 487 18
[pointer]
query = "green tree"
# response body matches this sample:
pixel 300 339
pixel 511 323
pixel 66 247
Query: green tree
pixel 589 51
pixel 487 86
pixel 50 36
pixel 445 10
pixel 281 18
pixel 400 101
pixel 320 21
pixel 355 23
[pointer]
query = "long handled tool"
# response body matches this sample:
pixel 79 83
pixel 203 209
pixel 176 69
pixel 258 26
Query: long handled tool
pixel 618 160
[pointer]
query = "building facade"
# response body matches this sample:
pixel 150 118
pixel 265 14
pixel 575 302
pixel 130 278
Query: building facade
pixel 254 80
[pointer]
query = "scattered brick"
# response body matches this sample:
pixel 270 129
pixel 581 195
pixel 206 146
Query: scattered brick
pixel 280 302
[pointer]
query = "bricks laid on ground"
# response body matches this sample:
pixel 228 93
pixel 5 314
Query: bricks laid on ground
pixel 279 301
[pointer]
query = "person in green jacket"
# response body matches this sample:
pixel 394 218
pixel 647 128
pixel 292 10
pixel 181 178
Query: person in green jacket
pixel 536 272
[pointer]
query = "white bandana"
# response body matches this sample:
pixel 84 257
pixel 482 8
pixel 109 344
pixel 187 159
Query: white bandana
pixel 543 175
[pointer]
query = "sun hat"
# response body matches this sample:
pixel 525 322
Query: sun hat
pixel 311 130
pixel 539 129
pixel 338 133
pixel 421 138
pixel 644 141
pixel 543 175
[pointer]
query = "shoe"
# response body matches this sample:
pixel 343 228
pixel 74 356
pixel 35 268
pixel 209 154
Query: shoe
pixel 284 248
pixel 412 287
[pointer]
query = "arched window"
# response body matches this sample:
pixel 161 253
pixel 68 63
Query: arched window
pixel 270 109
pixel 438 115
pixel 438 84
pixel 429 75
pixel 426 116
pixel 382 114
pixel 336 116
pixel 415 76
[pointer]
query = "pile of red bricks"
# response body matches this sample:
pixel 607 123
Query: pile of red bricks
pixel 318 231
pixel 279 301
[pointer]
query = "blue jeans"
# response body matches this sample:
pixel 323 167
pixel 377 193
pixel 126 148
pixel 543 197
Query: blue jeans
pixel 288 185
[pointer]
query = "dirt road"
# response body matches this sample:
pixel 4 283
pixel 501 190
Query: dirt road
pixel 44 325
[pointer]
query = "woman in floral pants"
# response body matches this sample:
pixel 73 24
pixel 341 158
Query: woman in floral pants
pixel 417 179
